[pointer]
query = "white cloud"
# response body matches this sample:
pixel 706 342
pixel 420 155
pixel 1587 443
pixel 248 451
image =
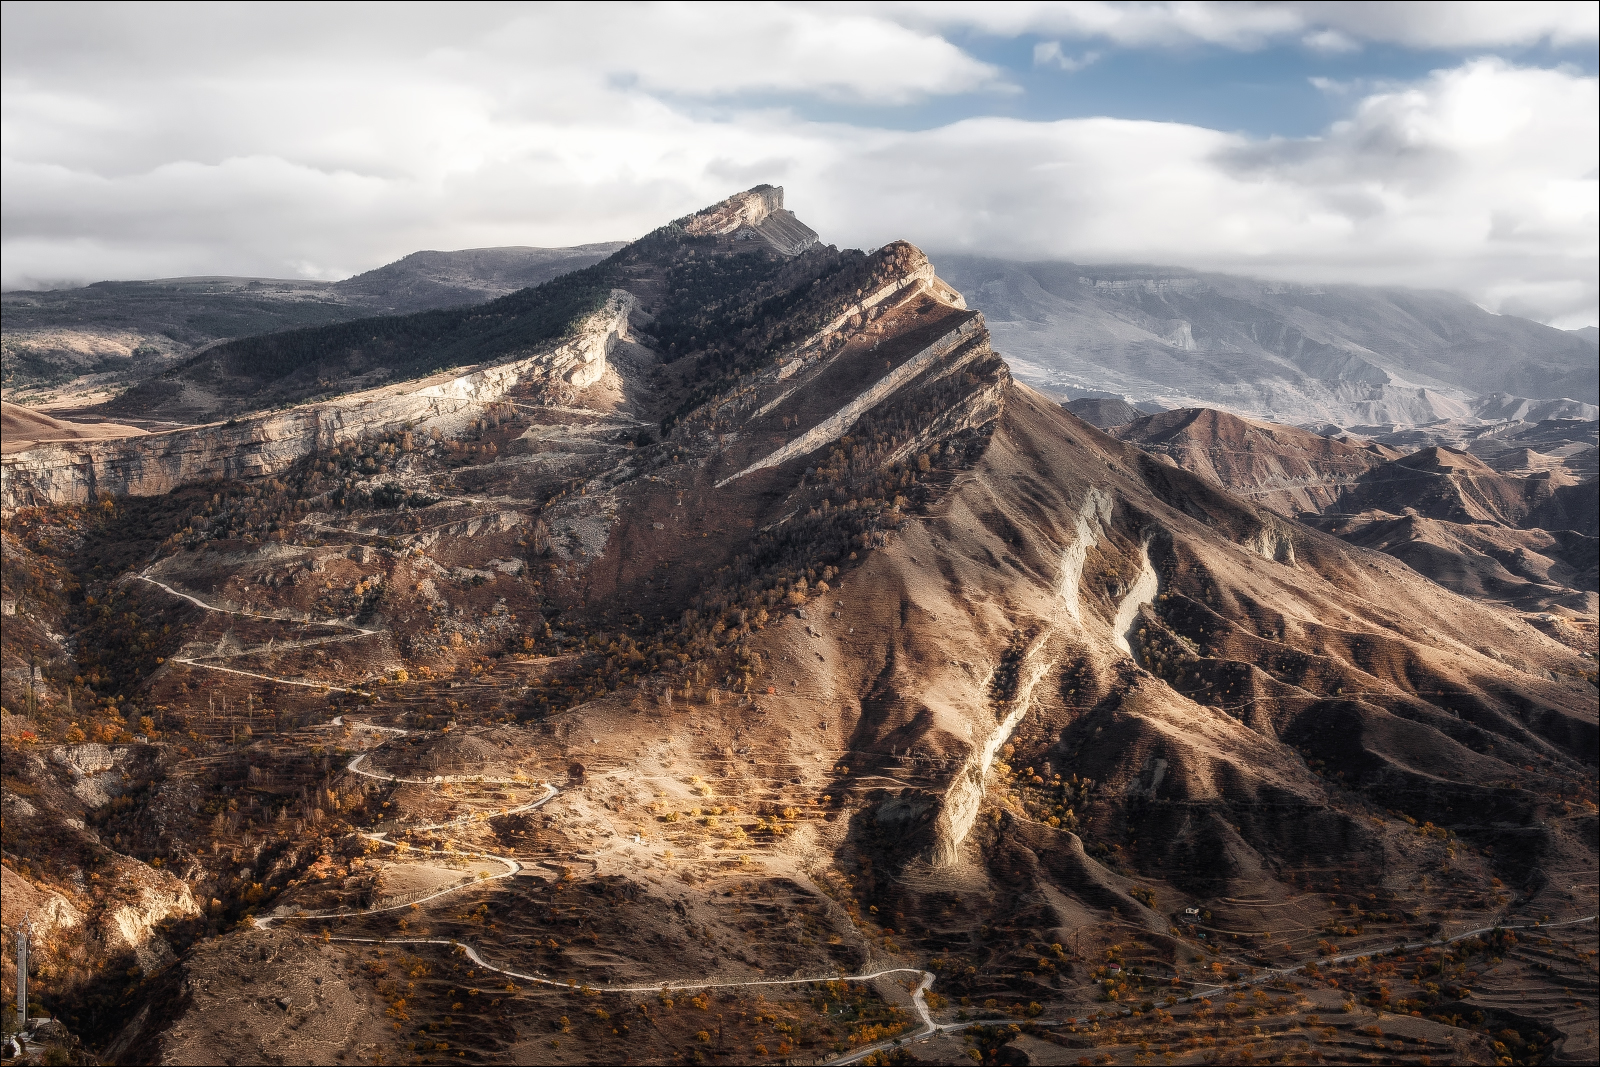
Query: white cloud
pixel 1132 25
pixel 1049 54
pixel 1320 26
pixel 1330 42
pixel 673 48
pixel 1480 179
pixel 268 157
pixel 1460 25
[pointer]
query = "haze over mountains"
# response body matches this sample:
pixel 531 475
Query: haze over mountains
pixel 1345 356
pixel 716 648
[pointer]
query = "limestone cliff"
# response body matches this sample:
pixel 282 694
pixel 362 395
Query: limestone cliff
pixel 757 214
pixel 64 472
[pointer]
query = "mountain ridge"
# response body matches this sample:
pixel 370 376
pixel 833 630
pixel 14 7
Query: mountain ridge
pixel 109 335
pixel 1345 355
pixel 790 640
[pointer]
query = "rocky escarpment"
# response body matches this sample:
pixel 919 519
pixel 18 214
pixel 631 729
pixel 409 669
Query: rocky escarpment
pixel 75 471
pixel 757 214
pixel 968 329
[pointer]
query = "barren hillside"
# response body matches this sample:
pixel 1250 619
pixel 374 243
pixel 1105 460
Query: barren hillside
pixel 72 348
pixel 753 671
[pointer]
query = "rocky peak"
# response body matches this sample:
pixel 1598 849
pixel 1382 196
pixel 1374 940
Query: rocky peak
pixel 749 208
pixel 755 214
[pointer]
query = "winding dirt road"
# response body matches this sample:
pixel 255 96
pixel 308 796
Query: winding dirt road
pixel 356 632
pixel 929 1028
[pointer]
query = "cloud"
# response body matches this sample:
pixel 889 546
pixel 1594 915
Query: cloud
pixel 683 49
pixel 1049 54
pixel 1481 179
pixel 131 154
pixel 1330 42
pixel 1459 25
pixel 1320 26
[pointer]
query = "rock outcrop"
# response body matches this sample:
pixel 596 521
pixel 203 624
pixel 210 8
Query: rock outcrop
pixel 49 912
pixel 156 899
pixel 755 214
pixel 66 472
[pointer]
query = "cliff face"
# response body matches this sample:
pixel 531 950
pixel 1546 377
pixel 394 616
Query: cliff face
pixel 749 208
pixel 752 215
pixel 811 559
pixel 74 471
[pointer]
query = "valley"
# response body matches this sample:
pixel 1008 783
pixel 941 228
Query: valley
pixel 715 654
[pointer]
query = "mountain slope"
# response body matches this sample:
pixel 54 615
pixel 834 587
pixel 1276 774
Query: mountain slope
pixel 838 652
pixel 1345 355
pixel 1103 413
pixel 1291 471
pixel 24 428
pixel 423 281
pixel 113 334
pixel 1521 532
pixel 1528 540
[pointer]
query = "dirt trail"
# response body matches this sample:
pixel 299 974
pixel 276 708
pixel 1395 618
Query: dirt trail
pixel 356 632
pixel 512 866
pixel 1283 972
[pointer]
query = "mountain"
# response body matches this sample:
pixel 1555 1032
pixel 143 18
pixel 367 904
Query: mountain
pixel 1345 355
pixel 1529 540
pixel 1291 471
pixel 423 281
pixel 89 342
pixel 739 660
pixel 1103 413
pixel 1506 523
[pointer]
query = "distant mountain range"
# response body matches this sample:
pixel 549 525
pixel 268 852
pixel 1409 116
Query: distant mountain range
pixel 1330 358
pixel 1340 356
pixel 109 335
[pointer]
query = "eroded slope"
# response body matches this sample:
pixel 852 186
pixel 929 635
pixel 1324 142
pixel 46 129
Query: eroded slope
pixel 800 642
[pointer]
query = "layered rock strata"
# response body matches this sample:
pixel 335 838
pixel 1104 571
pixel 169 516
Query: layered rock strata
pixel 757 214
pixel 68 472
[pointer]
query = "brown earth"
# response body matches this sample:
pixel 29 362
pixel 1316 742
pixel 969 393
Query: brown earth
pixel 1292 471
pixel 862 657
pixel 22 428
pixel 1520 532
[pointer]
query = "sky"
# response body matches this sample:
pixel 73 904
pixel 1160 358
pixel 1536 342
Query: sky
pixel 1436 145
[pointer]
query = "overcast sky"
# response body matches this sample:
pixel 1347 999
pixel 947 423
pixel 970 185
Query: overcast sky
pixel 1438 145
